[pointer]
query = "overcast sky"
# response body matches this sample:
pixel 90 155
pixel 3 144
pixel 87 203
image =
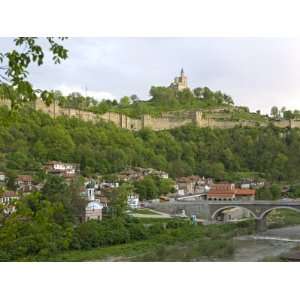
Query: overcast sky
pixel 256 72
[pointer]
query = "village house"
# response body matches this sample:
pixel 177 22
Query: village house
pixel 245 194
pixel 221 191
pixel 2 177
pixel 192 185
pixel 67 170
pixel 93 211
pixel 228 191
pixel 104 201
pixel 251 184
pixel 133 201
pixel 153 172
pixel 108 184
pixel 6 199
pixel 24 183
pixel 130 175
pixel 137 174
pixel 8 196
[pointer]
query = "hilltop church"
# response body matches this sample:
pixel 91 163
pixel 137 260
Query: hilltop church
pixel 180 82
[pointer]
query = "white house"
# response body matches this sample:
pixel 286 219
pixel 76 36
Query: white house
pixel 2 177
pixel 24 183
pixel 106 184
pixel 245 185
pixel 93 211
pixel 61 168
pixel 133 201
pixel 8 197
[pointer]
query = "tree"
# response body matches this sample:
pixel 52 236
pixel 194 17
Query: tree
pixel 11 180
pixel 119 198
pixel 32 230
pixel 55 189
pixel 134 98
pixel 282 110
pixel 78 203
pixel 14 67
pixel 275 191
pixel 199 93
pixel 274 112
pixel 124 101
pixel 263 194
pixel 147 188
pixel 288 115
pixel 227 99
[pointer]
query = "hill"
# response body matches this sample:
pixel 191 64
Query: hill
pixel 29 138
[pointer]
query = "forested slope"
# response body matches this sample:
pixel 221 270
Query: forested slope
pixel 28 139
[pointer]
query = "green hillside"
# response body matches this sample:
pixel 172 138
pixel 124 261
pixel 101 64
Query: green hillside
pixel 28 139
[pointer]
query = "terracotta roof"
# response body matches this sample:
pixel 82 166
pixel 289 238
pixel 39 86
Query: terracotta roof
pixel 220 194
pixel 244 192
pixel 223 187
pixel 24 178
pixel 10 194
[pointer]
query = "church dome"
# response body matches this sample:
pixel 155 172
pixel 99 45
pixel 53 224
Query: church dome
pixel 94 205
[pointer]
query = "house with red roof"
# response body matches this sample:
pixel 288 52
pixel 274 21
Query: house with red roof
pixel 227 191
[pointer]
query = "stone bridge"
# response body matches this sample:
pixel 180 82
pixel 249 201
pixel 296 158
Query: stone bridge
pixel 209 209
pixel 257 208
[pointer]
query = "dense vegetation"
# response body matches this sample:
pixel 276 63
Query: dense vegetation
pixel 152 187
pixel 41 230
pixel 28 139
pixel 49 222
pixel 163 99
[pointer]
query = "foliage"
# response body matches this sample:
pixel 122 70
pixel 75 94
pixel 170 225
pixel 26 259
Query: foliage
pixel 294 191
pixel 151 187
pixel 269 193
pixel 118 197
pixel 14 67
pixel 28 139
pixel 33 230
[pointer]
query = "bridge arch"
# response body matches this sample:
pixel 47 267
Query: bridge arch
pixel 215 213
pixel 266 212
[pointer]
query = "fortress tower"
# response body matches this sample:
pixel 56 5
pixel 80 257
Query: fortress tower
pixel 180 83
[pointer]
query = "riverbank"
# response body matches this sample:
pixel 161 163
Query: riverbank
pixel 185 243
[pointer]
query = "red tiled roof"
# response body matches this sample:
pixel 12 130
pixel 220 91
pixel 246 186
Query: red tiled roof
pixel 223 187
pixel 245 192
pixel 10 194
pixel 220 194
pixel 24 178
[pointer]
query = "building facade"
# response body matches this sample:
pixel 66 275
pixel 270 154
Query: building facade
pixel 180 83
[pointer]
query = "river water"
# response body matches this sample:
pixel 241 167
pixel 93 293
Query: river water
pixel 270 243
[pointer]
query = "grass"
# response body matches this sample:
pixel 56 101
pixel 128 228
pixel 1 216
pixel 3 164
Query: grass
pixel 185 243
pixel 283 217
pixel 124 251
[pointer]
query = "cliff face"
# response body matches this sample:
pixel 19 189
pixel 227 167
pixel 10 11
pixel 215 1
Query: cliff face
pixel 166 121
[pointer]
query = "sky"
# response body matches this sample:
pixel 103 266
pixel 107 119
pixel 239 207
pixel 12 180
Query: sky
pixel 256 72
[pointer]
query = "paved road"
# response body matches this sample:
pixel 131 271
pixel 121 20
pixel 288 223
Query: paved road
pixel 156 215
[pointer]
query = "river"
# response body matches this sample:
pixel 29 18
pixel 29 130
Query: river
pixel 270 243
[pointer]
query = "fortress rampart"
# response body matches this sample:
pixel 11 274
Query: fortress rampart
pixel 166 121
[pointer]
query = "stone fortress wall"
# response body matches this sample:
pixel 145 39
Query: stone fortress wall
pixel 166 121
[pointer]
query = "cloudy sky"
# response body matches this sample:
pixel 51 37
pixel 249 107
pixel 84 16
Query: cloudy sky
pixel 256 72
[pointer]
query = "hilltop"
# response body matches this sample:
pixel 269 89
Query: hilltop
pixel 168 107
